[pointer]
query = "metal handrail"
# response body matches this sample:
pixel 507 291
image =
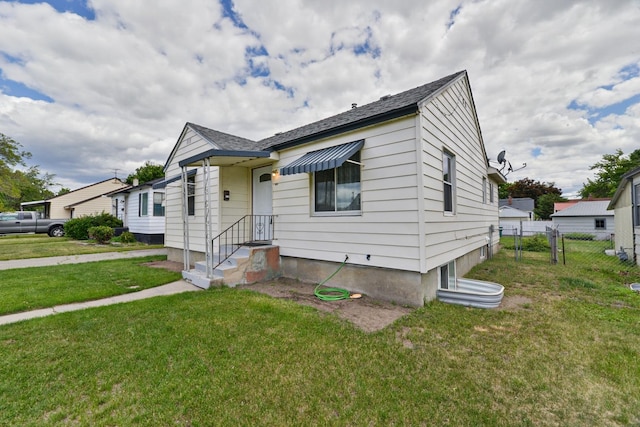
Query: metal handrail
pixel 248 229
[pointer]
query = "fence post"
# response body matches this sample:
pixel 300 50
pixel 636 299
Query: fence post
pixel 554 246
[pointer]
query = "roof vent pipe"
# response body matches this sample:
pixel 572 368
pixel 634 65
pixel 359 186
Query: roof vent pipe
pixel 354 105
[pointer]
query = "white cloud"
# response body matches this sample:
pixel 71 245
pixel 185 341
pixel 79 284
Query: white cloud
pixel 125 83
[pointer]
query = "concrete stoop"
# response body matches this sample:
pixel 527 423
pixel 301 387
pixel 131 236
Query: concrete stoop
pixel 249 264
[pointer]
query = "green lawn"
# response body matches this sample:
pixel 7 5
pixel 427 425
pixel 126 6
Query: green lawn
pixel 41 246
pixel 26 289
pixel 566 353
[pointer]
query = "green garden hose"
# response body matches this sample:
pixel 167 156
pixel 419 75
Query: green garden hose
pixel 332 294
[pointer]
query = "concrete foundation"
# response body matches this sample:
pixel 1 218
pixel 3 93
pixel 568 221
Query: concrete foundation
pixel 402 287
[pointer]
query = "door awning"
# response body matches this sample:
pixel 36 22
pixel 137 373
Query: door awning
pixel 320 160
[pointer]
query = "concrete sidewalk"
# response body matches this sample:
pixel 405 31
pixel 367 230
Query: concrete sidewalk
pixel 76 259
pixel 168 289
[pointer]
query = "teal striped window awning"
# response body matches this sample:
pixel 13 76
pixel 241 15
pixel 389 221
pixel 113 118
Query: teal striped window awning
pixel 324 159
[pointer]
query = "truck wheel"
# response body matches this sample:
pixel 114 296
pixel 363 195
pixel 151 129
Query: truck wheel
pixel 57 231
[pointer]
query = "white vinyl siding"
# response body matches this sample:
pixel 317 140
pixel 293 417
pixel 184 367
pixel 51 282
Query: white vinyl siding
pixel 585 224
pixel 85 201
pixel 237 181
pixel 387 228
pixel 448 123
pixel 190 144
pixel 134 219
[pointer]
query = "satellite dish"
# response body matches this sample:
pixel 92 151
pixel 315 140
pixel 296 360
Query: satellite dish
pixel 501 157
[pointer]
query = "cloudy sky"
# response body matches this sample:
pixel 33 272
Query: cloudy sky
pixel 96 87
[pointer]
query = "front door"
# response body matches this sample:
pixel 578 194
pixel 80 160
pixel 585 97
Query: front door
pixel 262 206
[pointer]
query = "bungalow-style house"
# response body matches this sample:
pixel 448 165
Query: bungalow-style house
pixel 523 204
pixel 89 200
pixel 141 209
pixel 626 205
pixel 588 217
pixel 399 192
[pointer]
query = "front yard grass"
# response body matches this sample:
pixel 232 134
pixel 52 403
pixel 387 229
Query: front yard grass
pixel 42 246
pixel 567 354
pixel 24 289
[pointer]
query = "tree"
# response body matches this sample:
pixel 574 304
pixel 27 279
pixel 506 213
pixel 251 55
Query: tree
pixel 527 187
pixel 11 155
pixel 27 186
pixel 609 173
pixel 145 173
pixel 544 205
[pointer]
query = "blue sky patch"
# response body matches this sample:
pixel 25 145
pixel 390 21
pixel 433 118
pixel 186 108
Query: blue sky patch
pixel 19 90
pixel 594 115
pixel 536 152
pixel 229 11
pixel 79 7
pixel 452 16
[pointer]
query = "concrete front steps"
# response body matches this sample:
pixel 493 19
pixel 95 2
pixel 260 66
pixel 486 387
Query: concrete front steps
pixel 249 264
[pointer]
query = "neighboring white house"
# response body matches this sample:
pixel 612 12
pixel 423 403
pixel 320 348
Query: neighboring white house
pixel 511 219
pixel 626 205
pixel 400 188
pixel 141 209
pixel 589 217
pixel 89 200
pixel 523 204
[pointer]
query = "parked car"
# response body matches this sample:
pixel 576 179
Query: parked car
pixel 29 222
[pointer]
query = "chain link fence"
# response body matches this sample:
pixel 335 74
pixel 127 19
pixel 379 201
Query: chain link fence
pixel 565 248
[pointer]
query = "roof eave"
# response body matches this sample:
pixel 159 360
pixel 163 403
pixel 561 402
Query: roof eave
pixel 245 154
pixel 368 121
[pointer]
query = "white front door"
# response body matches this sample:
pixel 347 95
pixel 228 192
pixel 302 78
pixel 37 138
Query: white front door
pixel 262 206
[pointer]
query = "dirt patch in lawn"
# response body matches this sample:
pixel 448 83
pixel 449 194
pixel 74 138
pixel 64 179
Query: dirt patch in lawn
pixel 167 265
pixel 366 313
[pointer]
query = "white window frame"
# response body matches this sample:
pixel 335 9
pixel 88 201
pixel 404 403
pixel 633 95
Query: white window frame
pixel 161 203
pixel 447 272
pixel 143 204
pixel 484 189
pixel 448 165
pixel 336 212
pixel 191 195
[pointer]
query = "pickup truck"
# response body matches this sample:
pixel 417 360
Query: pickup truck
pixel 29 222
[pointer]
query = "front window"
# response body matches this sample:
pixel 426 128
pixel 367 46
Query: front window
pixel 143 204
pixel 448 180
pixel 490 192
pixel 158 204
pixel 338 190
pixel 601 224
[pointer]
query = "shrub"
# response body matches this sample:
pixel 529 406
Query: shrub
pixel 537 243
pixel 127 237
pixel 101 234
pixel 78 228
pixel 579 236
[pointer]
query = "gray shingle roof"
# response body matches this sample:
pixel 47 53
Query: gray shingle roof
pixel 526 204
pixel 386 108
pixel 224 140
pixel 586 208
